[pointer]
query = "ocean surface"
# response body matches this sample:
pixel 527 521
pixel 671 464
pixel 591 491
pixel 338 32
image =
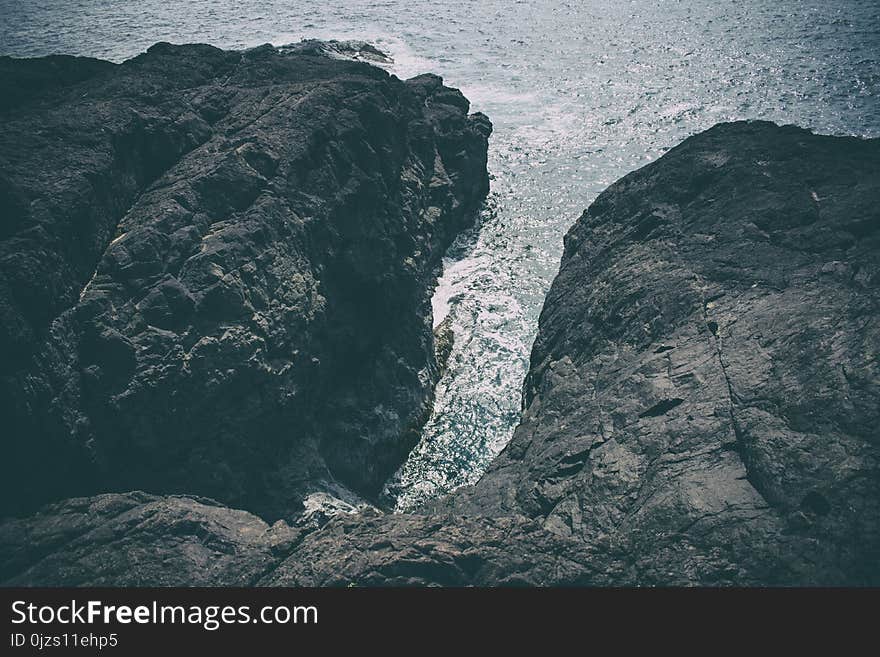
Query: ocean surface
pixel 580 93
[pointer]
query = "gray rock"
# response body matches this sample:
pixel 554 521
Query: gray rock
pixel 136 539
pixel 221 284
pixel 701 406
pixel 356 50
pixel 702 398
pixel 320 508
pixel 703 391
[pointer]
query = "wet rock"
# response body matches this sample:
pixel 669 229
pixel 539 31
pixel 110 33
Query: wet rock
pixel 356 50
pixel 320 508
pixel 136 539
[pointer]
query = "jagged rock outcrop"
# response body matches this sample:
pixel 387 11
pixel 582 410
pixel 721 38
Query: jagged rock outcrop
pixel 701 406
pixel 215 271
pixel 702 402
pixel 357 50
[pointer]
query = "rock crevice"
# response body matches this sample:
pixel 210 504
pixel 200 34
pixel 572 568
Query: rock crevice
pixel 701 406
pixel 267 226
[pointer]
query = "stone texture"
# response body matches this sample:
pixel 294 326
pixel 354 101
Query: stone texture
pixel 702 398
pixel 215 271
pixel 136 539
pixel 701 406
pixel 703 392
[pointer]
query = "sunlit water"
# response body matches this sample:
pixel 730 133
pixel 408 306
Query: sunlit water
pixel 580 93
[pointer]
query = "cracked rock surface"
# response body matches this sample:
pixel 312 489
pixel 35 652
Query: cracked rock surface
pixel 136 539
pixel 215 270
pixel 701 406
pixel 702 402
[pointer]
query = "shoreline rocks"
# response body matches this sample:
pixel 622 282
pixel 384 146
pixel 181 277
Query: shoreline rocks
pixel 701 406
pixel 702 396
pixel 216 277
pixel 356 50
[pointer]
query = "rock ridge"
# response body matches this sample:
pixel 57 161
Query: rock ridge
pixel 221 284
pixel 700 408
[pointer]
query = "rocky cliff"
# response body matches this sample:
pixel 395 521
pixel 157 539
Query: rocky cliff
pixel 215 270
pixel 702 402
pixel 701 408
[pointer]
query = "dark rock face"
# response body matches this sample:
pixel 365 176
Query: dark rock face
pixel 215 271
pixel 701 408
pixel 702 401
pixel 137 539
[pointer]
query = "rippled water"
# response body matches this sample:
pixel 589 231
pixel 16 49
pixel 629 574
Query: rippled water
pixel 580 93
